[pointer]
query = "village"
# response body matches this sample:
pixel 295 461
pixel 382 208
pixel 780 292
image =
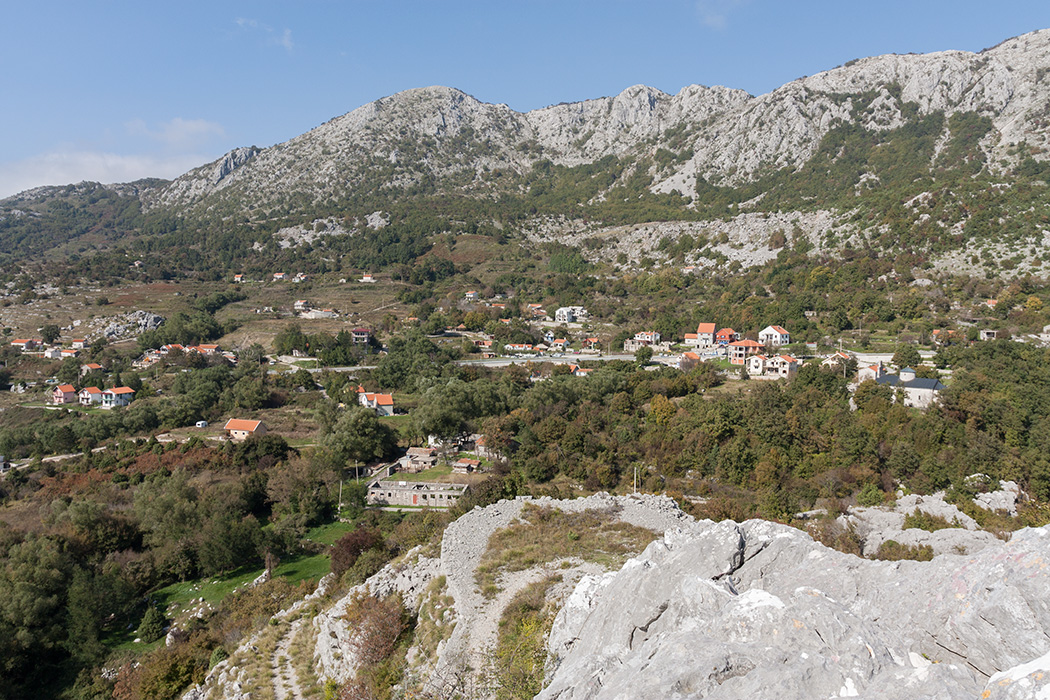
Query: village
pixel 569 337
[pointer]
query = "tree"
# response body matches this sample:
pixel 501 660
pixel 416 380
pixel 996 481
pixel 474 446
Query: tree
pixel 643 355
pixel 873 395
pixel 152 626
pixel 359 437
pixel 350 546
pixel 49 333
pixel 907 356
pixel 69 372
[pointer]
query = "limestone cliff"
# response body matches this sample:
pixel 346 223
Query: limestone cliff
pixel 442 138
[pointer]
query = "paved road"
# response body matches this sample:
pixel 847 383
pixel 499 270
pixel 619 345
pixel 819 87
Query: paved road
pixel 558 359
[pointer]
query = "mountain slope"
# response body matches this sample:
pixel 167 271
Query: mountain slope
pixel 442 140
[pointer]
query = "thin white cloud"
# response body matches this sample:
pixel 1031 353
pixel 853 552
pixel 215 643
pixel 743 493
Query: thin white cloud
pixel 178 133
pixel 67 167
pixel 286 40
pixel 283 39
pixel 715 13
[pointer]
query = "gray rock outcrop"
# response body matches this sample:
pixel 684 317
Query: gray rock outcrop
pixel 1005 498
pixel 726 610
pixel 877 525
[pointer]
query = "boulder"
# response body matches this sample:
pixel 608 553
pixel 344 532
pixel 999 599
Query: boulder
pixel 726 610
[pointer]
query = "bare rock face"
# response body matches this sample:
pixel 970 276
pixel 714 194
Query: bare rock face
pixel 726 610
pixel 725 136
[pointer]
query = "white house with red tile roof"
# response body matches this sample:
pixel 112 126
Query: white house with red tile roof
pixel 773 366
pixel 836 359
pixel 237 279
pixel 240 429
pixel 280 276
pixel 382 404
pixel 78 343
pixel 688 360
pixel 64 393
pixel 25 344
pixel 90 395
pixel 117 396
pixel 774 336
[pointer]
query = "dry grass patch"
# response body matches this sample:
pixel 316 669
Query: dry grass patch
pixel 433 624
pixel 548 534
pixel 521 651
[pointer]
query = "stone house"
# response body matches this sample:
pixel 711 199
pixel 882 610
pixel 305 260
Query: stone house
pixel 391 492
pixel 419 459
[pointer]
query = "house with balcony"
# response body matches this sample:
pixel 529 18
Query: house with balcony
pixel 63 394
pixel 740 350
pixel 117 396
pixel 726 336
pixel 90 396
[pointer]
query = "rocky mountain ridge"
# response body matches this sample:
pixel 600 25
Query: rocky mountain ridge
pixel 443 135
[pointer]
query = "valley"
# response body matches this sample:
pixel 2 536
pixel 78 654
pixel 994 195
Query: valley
pixel 400 407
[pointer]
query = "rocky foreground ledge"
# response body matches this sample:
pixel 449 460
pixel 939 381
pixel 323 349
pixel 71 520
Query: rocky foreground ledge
pixel 726 610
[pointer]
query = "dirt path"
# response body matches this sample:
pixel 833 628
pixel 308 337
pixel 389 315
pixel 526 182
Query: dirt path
pixel 285 679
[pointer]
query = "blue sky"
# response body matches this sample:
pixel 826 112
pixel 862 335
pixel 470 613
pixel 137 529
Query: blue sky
pixel 116 90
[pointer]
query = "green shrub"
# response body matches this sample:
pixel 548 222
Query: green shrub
pixel 152 626
pixel 927 521
pixel 219 654
pixel 870 495
pixel 891 550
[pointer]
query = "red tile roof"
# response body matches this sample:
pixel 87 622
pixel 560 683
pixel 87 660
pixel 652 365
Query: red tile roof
pixel 240 424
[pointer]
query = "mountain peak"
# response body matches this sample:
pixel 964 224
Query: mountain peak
pixel 439 133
